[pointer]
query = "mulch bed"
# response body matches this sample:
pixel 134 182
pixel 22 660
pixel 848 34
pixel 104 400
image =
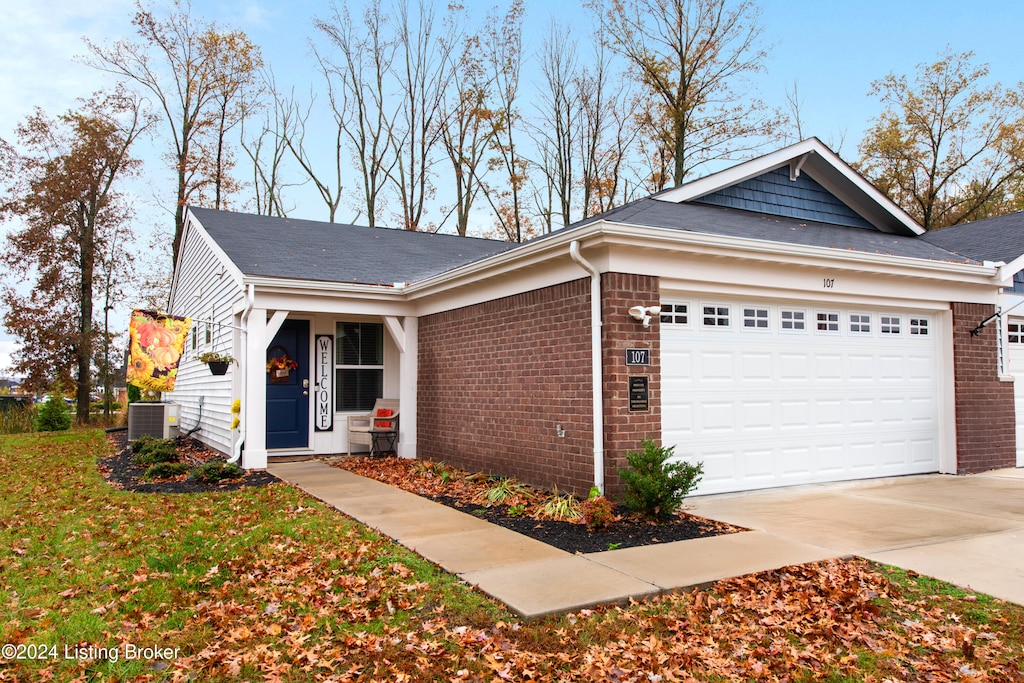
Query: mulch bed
pixel 464 492
pixel 628 532
pixel 122 473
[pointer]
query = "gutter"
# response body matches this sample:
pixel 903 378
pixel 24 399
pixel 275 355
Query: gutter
pixel 250 300
pixel 595 360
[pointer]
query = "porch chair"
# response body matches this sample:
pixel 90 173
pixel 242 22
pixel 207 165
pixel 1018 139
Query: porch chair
pixel 377 428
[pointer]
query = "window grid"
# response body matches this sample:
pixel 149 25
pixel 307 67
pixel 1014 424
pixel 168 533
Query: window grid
pixel 919 326
pixel 889 324
pixel 828 321
pixel 793 320
pixel 716 316
pixel 755 318
pixel 1015 333
pixel 675 314
pixel 860 323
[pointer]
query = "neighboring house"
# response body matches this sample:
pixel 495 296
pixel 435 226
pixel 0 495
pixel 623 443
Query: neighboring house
pixel 999 240
pixel 806 334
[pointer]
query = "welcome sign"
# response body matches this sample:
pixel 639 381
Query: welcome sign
pixel 323 367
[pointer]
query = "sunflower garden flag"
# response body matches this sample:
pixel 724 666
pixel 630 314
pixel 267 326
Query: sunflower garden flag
pixel 157 342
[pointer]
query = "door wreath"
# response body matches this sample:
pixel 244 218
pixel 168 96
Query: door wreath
pixel 280 366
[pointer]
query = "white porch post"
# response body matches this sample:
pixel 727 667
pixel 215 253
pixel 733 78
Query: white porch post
pixel 405 333
pixel 255 454
pixel 409 369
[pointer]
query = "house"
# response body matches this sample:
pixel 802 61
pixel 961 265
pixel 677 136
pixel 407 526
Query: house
pixel 806 333
pixel 999 240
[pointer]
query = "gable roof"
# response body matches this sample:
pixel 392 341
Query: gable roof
pixel 717 220
pixel 992 239
pixel 332 252
pixel 857 203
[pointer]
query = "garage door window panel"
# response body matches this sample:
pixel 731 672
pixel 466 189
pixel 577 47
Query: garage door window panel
pixel 715 315
pixel 792 320
pixel 860 323
pixel 890 324
pixel 918 327
pixel 827 322
pixel 755 318
pixel 675 314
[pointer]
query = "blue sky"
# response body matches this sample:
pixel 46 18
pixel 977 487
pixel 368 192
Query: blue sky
pixel 832 49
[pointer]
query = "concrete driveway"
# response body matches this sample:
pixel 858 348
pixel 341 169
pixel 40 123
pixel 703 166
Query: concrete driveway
pixel 968 530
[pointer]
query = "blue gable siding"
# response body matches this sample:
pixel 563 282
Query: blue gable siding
pixel 775 194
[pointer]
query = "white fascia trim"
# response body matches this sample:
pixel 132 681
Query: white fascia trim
pixel 278 285
pixel 1008 270
pixel 194 227
pixel 786 252
pixel 785 156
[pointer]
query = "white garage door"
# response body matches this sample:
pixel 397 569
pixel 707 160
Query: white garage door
pixel 1015 366
pixel 772 394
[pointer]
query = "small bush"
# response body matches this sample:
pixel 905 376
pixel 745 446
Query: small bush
pixel 561 508
pixel 598 512
pixel 17 420
pixel 53 415
pixel 141 443
pixel 507 490
pixel 212 472
pixel 165 470
pixel 152 451
pixel 654 487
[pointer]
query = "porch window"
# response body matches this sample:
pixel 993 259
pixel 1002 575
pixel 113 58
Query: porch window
pixel 359 365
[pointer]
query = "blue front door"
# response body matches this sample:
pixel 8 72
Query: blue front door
pixel 288 386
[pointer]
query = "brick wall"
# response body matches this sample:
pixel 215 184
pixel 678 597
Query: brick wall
pixel 624 429
pixel 495 380
pixel 985 422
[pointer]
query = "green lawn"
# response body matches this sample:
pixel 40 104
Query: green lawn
pixel 268 584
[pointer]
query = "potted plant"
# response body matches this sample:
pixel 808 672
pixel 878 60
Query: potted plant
pixel 217 362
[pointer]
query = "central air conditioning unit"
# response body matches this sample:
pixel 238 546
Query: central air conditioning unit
pixel 151 418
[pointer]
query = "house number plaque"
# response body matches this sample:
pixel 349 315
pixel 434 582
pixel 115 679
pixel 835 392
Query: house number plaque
pixel 638 356
pixel 639 394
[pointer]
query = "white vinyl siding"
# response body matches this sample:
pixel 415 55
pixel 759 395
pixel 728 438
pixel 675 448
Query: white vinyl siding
pixel 201 273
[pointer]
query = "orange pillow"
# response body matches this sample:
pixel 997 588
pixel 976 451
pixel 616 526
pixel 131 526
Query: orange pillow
pixel 383 424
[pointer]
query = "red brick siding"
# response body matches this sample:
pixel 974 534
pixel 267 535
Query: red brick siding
pixel 495 379
pixel 624 429
pixel 985 422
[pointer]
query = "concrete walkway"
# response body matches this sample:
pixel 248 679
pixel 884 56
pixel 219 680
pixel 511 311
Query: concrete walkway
pixel 533 578
pixel 967 530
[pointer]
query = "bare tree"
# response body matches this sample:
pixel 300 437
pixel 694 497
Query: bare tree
pixel 689 56
pixel 503 47
pixel 182 63
pixel 556 131
pixel 365 62
pixel 267 149
pixel 423 74
pixel 466 129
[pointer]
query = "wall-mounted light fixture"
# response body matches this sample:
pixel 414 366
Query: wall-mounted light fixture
pixel 643 313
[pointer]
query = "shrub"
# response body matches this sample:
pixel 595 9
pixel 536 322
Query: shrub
pixel 598 512
pixel 17 420
pixel 560 508
pixel 150 451
pixel 53 415
pixel 506 490
pixel 214 471
pixel 165 470
pixel 654 487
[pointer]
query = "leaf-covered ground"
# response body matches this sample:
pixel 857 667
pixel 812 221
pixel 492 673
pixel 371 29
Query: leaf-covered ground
pixel 524 510
pixel 266 584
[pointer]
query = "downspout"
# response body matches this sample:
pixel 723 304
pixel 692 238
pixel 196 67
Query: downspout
pixel 250 300
pixel 595 360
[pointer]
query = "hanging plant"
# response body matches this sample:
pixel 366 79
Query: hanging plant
pixel 217 362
